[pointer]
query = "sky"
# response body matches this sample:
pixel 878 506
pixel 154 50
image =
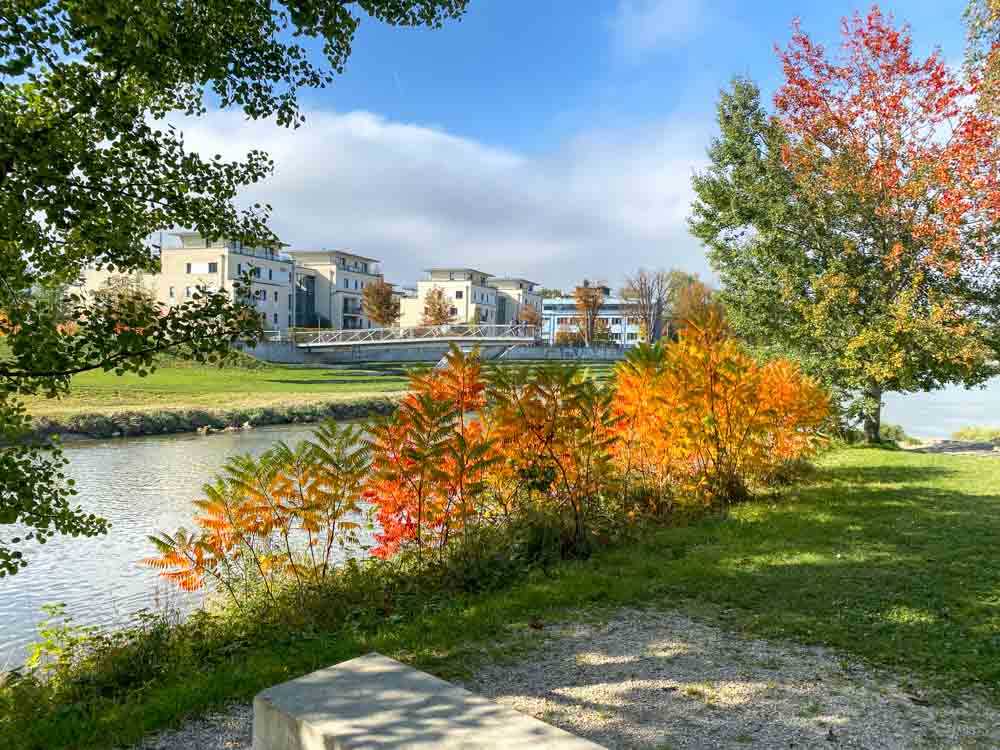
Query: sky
pixel 549 139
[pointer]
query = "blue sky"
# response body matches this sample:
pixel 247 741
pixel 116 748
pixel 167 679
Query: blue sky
pixel 521 73
pixel 548 138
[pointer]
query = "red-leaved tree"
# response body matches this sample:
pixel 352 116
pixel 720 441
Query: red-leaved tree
pixel 859 227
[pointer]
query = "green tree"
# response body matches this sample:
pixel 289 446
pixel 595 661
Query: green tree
pixel 835 231
pixel 89 170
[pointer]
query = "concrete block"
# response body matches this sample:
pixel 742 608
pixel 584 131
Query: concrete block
pixel 377 703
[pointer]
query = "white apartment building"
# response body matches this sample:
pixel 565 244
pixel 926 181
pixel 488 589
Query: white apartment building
pixel 467 290
pixel 212 265
pixel 331 284
pixel 560 315
pixel 514 294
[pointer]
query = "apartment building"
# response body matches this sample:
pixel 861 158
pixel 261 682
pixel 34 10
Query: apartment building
pixel 514 294
pixel 560 315
pixel 212 265
pixel 331 284
pixel 472 298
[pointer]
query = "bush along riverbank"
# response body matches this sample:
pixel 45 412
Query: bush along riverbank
pixel 169 421
pixel 551 469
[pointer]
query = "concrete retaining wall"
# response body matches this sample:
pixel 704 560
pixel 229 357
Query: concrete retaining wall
pixel 565 353
pixel 288 353
pixel 281 352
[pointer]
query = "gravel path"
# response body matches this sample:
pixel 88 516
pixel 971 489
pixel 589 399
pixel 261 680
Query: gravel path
pixel 646 680
pixel 652 680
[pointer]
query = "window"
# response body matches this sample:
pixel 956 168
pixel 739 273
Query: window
pixel 355 283
pixel 187 291
pixel 276 318
pixel 276 299
pixel 454 311
pixel 364 267
pixel 239 269
pixel 256 272
pixel 270 274
pixel 188 267
pixel 213 267
pixel 458 294
pixel 347 283
pixel 171 292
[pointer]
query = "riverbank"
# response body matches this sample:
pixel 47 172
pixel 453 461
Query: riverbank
pixel 173 421
pixel 186 397
pixel 857 559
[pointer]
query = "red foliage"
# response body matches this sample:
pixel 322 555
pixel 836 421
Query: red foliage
pixel 903 135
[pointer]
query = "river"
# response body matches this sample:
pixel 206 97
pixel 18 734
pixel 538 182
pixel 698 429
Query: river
pixel 141 485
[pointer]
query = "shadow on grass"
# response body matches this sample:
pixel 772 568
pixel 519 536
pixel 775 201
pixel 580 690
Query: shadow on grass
pixel 906 576
pixel 875 475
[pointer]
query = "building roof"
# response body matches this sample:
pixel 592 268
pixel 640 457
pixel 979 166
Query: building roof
pixel 501 279
pixel 191 233
pixel 552 301
pixel 348 253
pixel 456 270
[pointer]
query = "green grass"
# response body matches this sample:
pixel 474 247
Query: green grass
pixel 179 385
pixel 888 556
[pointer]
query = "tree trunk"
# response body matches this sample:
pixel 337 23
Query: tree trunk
pixel 873 415
pixel 656 331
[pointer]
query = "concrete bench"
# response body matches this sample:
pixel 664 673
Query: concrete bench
pixel 378 703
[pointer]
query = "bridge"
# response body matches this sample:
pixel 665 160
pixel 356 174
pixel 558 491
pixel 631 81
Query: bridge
pixel 463 335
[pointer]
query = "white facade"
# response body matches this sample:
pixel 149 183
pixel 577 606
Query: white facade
pixel 213 265
pixel 560 315
pixel 338 279
pixel 467 291
pixel 514 294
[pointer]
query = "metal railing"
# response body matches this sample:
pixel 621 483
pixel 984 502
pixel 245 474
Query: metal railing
pixel 455 332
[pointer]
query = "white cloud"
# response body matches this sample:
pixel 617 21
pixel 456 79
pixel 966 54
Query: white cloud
pixel 643 25
pixel 415 196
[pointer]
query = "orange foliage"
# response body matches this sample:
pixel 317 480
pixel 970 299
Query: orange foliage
pixel 429 459
pixel 703 418
pixel 697 418
pixel 271 518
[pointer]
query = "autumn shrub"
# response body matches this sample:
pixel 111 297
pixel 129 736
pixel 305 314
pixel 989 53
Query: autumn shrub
pixel 700 419
pixel 271 521
pixel 474 473
pixel 429 461
pixel 553 430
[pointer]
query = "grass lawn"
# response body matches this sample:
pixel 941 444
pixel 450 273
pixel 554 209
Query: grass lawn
pixel 183 386
pixel 889 556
